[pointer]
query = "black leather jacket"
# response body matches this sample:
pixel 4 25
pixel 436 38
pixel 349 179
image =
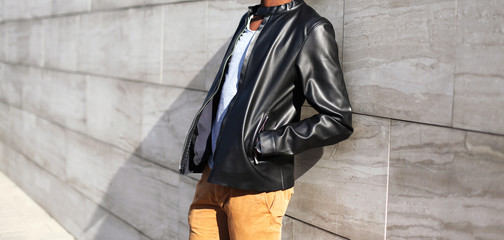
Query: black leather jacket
pixel 291 58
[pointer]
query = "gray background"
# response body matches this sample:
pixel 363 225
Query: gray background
pixel 96 97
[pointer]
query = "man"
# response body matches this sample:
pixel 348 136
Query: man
pixel 248 130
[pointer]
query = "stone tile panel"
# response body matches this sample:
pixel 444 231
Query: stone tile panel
pixel 399 58
pixel 3 40
pixel 112 4
pixel 113 113
pixel 124 44
pixel 55 96
pixel 185 55
pixel 342 188
pixel 24 42
pixel 30 9
pixel 1 10
pixel 294 229
pixel 61 42
pixel 63 99
pixel 24 125
pixel 134 189
pixel 479 79
pixel 37 139
pixel 73 6
pixel 167 115
pixel 11 84
pixel 5 123
pixel 445 183
pixel 32 83
pixel 50 148
pixel 14 9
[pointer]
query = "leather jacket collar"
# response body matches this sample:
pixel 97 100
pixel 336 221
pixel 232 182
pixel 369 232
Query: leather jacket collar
pixel 259 10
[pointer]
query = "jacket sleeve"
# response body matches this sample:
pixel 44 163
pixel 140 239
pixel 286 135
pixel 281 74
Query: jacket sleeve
pixel 322 81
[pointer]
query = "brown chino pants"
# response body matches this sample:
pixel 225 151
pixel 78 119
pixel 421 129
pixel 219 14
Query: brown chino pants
pixel 220 212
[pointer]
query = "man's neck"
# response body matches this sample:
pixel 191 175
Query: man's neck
pixel 256 21
pixel 272 3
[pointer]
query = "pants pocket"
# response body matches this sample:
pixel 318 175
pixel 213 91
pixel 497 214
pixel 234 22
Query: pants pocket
pixel 269 198
pixel 277 201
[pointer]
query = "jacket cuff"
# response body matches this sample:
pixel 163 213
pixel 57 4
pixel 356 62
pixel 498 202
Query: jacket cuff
pixel 267 142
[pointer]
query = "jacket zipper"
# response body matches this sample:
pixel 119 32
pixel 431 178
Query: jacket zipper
pixel 256 138
pixel 183 164
pixel 249 48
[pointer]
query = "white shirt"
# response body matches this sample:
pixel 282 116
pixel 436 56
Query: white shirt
pixel 230 86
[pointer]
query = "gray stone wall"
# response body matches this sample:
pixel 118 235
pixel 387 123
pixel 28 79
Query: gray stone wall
pixel 96 97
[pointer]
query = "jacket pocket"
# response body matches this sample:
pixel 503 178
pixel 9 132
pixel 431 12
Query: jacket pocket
pixel 255 139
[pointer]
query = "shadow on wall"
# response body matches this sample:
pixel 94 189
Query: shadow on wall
pixel 146 191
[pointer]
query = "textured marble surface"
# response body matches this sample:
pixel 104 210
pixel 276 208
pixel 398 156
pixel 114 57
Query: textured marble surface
pixel 112 4
pixel 136 190
pixel 24 42
pixel 409 60
pixel 333 11
pixel 3 39
pixel 479 81
pixel 61 42
pixel 11 84
pixel 26 9
pixel 114 111
pixel 399 58
pixel 64 99
pixel 287 228
pixel 344 192
pixel 123 44
pixel 296 230
pixel 185 55
pixel 56 96
pixel 7 156
pixel 445 183
pixel 5 124
pixel 24 124
pixel 1 10
pixel 73 6
pixel 41 141
pixel 14 9
pixel 50 147
pixel 148 203
pixel 31 81
pixel 167 115
pixel 75 212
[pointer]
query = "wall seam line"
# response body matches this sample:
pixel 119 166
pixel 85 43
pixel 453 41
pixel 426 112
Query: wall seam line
pixel 317 227
pixel 90 11
pixel 455 65
pixel 99 75
pixel 205 91
pixel 388 180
